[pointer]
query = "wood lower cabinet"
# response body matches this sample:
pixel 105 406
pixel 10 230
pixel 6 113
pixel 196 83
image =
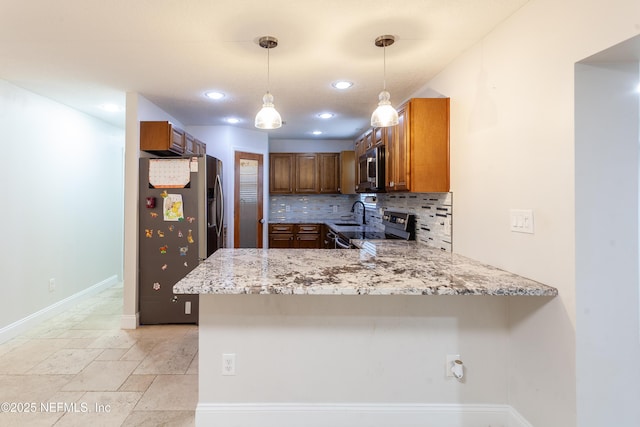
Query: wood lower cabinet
pixel 281 236
pixel 290 236
pixel 418 149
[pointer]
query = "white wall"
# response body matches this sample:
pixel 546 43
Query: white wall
pixel 512 146
pixel 62 215
pixel 607 335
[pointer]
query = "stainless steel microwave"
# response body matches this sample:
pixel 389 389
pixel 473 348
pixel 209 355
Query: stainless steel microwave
pixel 371 171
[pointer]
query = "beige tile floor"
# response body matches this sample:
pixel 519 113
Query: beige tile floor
pixel 81 369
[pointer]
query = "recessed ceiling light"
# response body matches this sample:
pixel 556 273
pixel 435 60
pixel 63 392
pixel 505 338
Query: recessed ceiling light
pixel 317 132
pixel 342 84
pixel 214 95
pixel 233 120
pixel 325 115
pixel 111 108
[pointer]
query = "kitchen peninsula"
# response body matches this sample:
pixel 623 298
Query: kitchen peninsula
pixel 292 337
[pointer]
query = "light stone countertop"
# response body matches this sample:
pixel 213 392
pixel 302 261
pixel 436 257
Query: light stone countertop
pixel 379 268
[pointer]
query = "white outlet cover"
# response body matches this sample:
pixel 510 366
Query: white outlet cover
pixel 449 363
pixel 228 364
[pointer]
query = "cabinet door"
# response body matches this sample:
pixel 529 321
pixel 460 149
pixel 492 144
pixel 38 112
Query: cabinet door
pixel 428 144
pixel 281 241
pixel 281 173
pixel 177 140
pixel 347 172
pixel 190 144
pixel 308 241
pixel 307 236
pixel 306 173
pixel 161 138
pixel 201 147
pixel 380 136
pixel 329 175
pixel 398 178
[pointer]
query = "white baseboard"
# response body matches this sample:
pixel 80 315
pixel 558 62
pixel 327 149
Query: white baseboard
pixel 357 414
pixel 516 419
pixel 16 328
pixel 130 321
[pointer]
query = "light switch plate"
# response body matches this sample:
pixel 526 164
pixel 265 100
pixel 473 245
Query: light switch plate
pixel 522 220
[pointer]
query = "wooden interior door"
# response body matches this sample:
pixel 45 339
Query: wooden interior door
pixel 247 213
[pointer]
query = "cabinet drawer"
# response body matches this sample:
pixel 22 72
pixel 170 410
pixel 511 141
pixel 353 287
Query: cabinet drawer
pixel 308 229
pixel 280 228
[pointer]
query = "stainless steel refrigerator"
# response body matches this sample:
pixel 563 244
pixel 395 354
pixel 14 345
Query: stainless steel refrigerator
pixel 181 222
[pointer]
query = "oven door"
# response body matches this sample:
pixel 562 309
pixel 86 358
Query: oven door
pixel 343 244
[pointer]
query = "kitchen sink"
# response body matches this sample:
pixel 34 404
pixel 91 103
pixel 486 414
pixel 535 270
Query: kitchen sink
pixel 347 224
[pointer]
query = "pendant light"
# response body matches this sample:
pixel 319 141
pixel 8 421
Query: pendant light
pixel 385 115
pixel 268 117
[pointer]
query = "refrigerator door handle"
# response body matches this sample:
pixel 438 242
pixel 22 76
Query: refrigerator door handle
pixel 212 204
pixel 221 198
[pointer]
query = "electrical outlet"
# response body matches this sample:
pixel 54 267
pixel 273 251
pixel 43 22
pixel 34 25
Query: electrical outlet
pixel 335 208
pixel 287 208
pixel 52 285
pixel 450 359
pixel 229 364
pixel 447 226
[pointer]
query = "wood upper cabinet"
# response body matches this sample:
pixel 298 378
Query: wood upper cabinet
pixel 418 148
pixel 281 173
pixel 347 172
pixel 190 144
pixel 329 172
pixel 306 177
pixel 397 160
pixel 201 147
pixel 162 138
pixel 304 173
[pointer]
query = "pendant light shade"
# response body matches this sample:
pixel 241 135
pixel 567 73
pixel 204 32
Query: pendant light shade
pixel 268 117
pixel 385 115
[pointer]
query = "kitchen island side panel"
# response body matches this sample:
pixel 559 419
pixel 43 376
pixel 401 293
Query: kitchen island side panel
pixel 347 350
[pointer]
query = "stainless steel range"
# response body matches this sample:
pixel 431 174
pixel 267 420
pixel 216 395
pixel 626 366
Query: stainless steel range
pixel 397 225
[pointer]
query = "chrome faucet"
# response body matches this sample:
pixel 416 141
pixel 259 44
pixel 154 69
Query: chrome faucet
pixel 353 209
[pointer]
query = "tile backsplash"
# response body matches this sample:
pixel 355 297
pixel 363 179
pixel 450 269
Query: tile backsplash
pixel 433 211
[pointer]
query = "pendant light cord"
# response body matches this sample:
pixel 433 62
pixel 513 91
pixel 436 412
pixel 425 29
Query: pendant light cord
pixel 268 70
pixel 384 66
